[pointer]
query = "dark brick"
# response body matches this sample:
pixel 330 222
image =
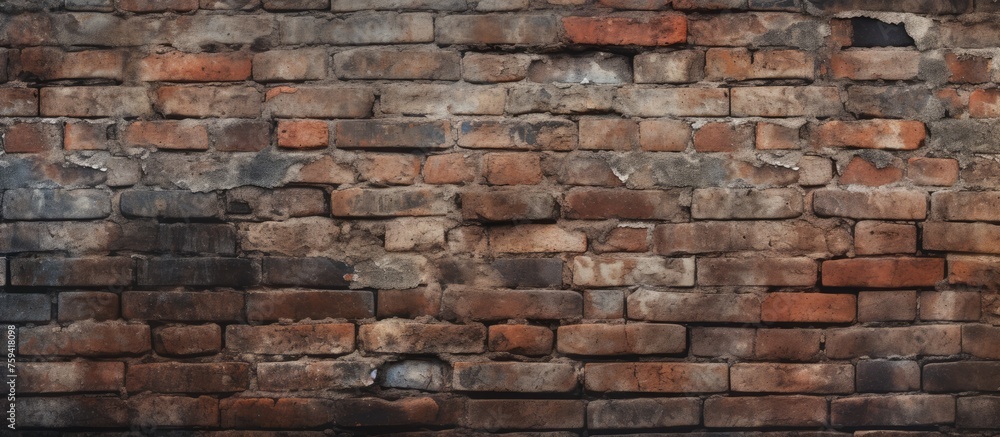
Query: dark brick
pixel 916 6
pixel 978 412
pixel 469 304
pixel 881 376
pixel 64 272
pixel 398 64
pixel 182 306
pixel 85 339
pixel 225 272
pixel 276 204
pixel 18 308
pixel 27 204
pixel 503 206
pixel 524 414
pixel 270 306
pixel 899 410
pixel 643 413
pixel 529 272
pixel 552 134
pixel 180 238
pixel 170 204
pixel 307 272
pixel 75 411
pixel 18 102
pixel 282 413
pixel 413 411
pixel 83 305
pixel 73 237
pixel 389 202
pixel 235 135
pixel 186 340
pixel 35 172
pixel 313 375
pixel 393 134
pixel 188 377
pixel 79 376
pixel 154 411
pixel 869 32
pixel 961 376
pixel 593 203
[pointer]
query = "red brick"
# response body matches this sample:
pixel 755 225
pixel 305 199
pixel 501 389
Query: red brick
pixel 169 135
pixel 652 30
pixel 493 414
pixel 657 377
pixel 664 135
pixel 497 29
pixel 514 377
pixel 32 138
pixel 504 205
pixel 773 136
pixel 85 339
pixel 765 411
pixel 83 305
pixel 808 307
pixel 393 336
pixel 984 103
pixel 313 375
pixel 786 101
pixel 521 339
pixel 787 344
pixel 158 5
pixel 85 136
pixel 202 102
pixel 303 134
pixel 183 306
pixel 757 271
pixel 388 168
pixel 887 306
pixel 662 306
pixel 531 238
pixel 883 272
pixel 871 134
pixel 282 413
pixel 623 239
pixel 545 134
pixel 290 65
pixel 512 168
pixel 630 339
pixel 643 413
pixel 614 271
pixel 973 270
pixel 965 68
pixel 608 134
pixel 451 168
pixel 889 342
pixel 320 102
pixel 792 378
pixel 878 238
pixel 741 64
pixel 79 376
pixel 899 410
pixel 18 102
pixel 174 411
pixel 184 340
pixel 939 172
pixel 862 172
pixel 195 67
pixel 188 377
pixel 318 339
pixel 46 63
pixel 474 304
pixel 890 204
pixel 950 305
pixel 875 64
pixel 723 137
pixel 596 203
pixel 409 304
pixel 274 305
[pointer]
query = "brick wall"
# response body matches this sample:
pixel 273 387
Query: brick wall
pixel 451 217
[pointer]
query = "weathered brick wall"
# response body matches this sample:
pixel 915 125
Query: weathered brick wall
pixel 450 217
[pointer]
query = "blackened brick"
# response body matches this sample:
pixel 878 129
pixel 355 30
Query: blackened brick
pixel 225 272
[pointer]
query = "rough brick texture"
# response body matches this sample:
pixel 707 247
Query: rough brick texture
pixel 552 218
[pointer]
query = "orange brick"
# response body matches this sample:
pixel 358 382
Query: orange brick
pixel 624 240
pixel 808 307
pixel 85 136
pixel 32 138
pixel 879 238
pixel 654 30
pixel 447 169
pixel 195 67
pixel 984 103
pixel 389 168
pixel 861 172
pixel 521 339
pixel 608 134
pixel 967 68
pixel 871 134
pixel 664 135
pixel 303 134
pixel 883 272
pixel 513 169
pixel 771 136
pixel 875 64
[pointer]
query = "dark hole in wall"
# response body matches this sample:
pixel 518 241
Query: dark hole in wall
pixel 869 32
